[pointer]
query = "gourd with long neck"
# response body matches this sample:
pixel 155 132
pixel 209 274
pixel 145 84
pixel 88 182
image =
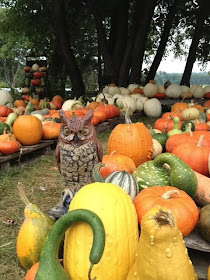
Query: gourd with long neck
pixel 49 265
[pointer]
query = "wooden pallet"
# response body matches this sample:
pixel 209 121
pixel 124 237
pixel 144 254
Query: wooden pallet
pixel 26 154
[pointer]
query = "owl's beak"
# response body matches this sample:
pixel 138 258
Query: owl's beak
pixel 75 138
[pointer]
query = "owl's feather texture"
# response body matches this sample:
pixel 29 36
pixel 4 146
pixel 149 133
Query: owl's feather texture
pixel 77 151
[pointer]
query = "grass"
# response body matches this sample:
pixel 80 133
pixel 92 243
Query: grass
pixel 42 184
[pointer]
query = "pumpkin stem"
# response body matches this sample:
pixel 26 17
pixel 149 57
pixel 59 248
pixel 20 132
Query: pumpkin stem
pixel 167 195
pixel 96 175
pixel 127 117
pixel 22 194
pixel 200 141
pixel 164 218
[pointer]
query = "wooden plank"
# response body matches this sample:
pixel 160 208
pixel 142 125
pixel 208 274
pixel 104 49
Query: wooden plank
pixel 200 261
pixel 195 241
pixel 25 150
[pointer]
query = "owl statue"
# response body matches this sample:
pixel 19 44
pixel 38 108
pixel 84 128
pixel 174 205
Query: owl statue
pixel 77 151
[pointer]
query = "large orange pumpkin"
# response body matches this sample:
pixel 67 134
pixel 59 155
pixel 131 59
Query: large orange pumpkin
pixel 27 130
pixel 131 139
pixel 179 202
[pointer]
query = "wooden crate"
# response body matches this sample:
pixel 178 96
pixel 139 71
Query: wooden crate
pixel 26 154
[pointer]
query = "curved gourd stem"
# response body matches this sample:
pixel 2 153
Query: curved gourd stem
pixel 49 265
pixel 22 194
pixel 96 175
pixel 167 195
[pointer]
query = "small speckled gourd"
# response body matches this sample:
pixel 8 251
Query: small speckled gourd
pixel 161 253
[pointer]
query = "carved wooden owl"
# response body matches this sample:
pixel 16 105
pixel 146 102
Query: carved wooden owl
pixel 77 151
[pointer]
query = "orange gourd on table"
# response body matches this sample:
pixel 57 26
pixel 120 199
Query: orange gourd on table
pixel 194 155
pixel 27 130
pixel 131 139
pixel 182 206
pixel 9 145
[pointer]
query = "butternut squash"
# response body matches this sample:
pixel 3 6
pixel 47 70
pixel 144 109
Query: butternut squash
pixel 202 196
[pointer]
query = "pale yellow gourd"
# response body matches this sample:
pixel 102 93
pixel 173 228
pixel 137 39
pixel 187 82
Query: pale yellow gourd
pixel 118 215
pixel 161 253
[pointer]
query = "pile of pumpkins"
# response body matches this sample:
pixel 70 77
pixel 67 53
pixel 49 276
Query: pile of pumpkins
pixel 130 191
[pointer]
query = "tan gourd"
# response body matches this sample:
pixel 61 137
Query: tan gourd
pixel 161 253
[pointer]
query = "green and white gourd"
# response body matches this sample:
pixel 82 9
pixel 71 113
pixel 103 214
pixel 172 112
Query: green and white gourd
pixel 178 174
pixel 123 179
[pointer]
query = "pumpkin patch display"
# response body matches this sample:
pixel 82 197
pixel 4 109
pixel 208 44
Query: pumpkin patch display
pixel 117 213
pixel 27 130
pixel 182 206
pixel 131 139
pixel 161 253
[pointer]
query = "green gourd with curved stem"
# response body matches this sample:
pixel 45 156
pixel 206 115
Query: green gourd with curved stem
pixel 175 129
pixel 49 265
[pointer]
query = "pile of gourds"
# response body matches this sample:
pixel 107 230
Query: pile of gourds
pixel 159 196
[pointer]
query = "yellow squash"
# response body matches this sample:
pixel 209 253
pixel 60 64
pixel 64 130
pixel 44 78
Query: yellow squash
pixel 32 233
pixel 161 253
pixel 118 215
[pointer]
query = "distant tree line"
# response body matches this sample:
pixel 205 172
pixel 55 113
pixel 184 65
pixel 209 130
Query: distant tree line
pixel 201 78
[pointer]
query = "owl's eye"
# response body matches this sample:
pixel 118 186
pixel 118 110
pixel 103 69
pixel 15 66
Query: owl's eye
pixel 66 131
pixel 85 131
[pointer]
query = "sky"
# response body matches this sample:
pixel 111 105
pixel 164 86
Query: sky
pixel 171 65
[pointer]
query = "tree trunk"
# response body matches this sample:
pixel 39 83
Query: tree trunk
pixel 109 72
pixel 201 16
pixel 163 42
pixel 146 9
pixel 64 43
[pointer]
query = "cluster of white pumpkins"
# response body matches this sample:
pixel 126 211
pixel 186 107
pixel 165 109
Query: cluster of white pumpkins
pixel 146 101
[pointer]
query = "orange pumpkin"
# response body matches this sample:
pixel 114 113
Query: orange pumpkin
pixel 27 130
pixel 195 155
pixel 206 104
pixel 131 139
pixel 19 103
pixel 93 105
pixel 34 101
pixel 115 162
pixel 7 136
pixel 101 115
pixel 201 126
pixel 57 97
pixel 95 120
pixel 111 111
pixel 178 107
pixel 9 146
pixel 5 111
pixel 179 202
pixel 199 107
pixel 164 124
pixel 50 130
pixel 138 91
pixel 31 273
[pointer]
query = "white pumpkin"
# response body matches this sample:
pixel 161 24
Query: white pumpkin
pixel 5 97
pixel 190 114
pixel 150 89
pixel 184 89
pixel 157 148
pixel 131 87
pixel 193 87
pixel 161 89
pixel 125 91
pixel 126 102
pixel 71 104
pixel 198 92
pixel 105 89
pixel 141 97
pixel 113 90
pixel 139 105
pixel 153 108
pixel 173 91
pixel 35 67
